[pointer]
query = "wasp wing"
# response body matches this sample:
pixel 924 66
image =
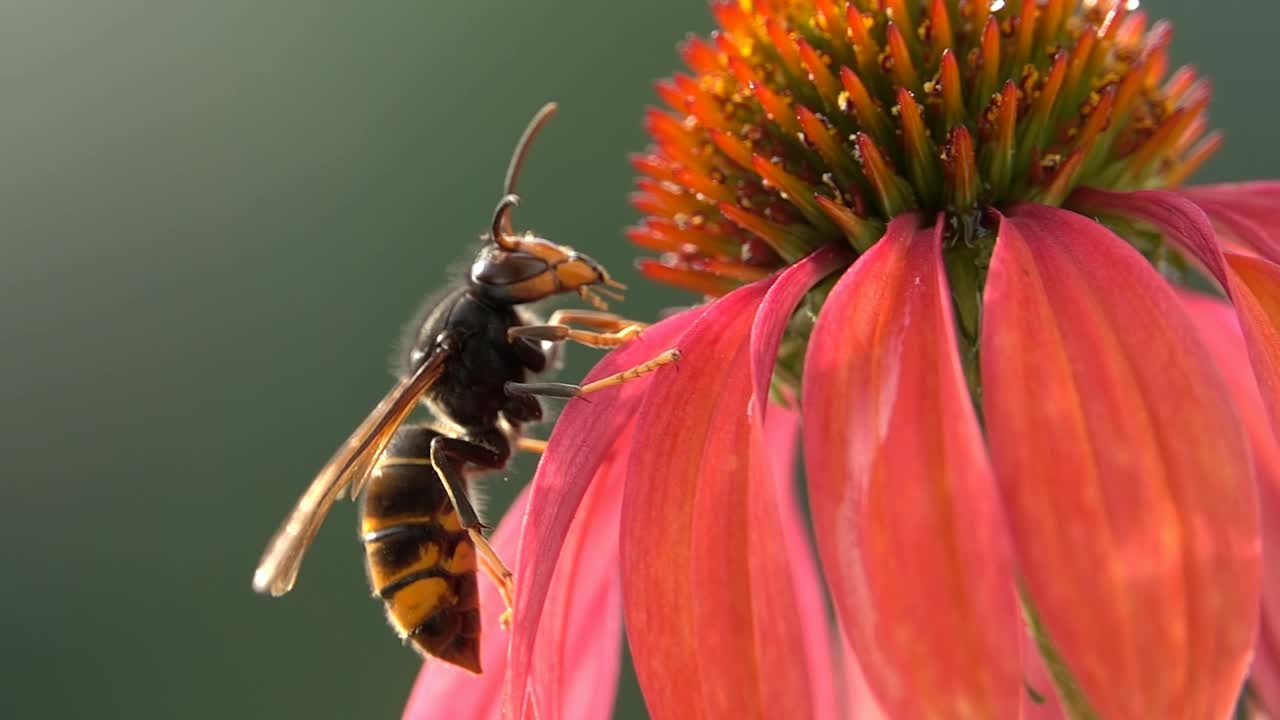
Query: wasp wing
pixel 278 568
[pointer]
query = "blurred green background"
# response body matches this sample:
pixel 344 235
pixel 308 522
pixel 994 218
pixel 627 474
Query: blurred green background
pixel 214 219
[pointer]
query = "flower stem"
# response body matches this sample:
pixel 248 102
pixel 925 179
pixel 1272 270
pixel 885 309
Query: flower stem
pixel 966 259
pixel 1074 703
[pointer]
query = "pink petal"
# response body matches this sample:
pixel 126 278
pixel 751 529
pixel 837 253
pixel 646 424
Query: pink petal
pixel 1220 331
pixel 690 413
pixel 1255 292
pixel 584 436
pixel 1249 212
pixel 578 653
pixel 1252 283
pixel 724 607
pixel 779 305
pixel 1124 470
pixel 810 608
pixel 444 691
pixel 859 701
pixel 1179 219
pixel 905 510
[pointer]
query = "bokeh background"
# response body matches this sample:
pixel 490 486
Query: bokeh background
pixel 214 219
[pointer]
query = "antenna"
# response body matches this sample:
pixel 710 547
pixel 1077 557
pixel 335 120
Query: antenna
pixel 501 216
pixel 540 119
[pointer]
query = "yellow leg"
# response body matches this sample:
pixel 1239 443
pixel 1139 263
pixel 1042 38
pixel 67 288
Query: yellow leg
pixel 632 373
pixel 594 320
pixel 532 445
pixel 567 391
pixel 497 571
pixel 608 331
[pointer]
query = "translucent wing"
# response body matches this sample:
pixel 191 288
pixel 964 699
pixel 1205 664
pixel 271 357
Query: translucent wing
pixel 278 568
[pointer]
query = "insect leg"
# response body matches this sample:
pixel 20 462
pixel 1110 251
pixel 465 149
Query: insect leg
pixel 631 373
pixel 448 455
pixel 608 331
pixel 594 320
pixel 564 390
pixel 547 389
pixel 492 566
pixel 532 445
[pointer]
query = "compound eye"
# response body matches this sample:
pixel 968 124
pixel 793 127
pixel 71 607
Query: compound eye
pixel 507 269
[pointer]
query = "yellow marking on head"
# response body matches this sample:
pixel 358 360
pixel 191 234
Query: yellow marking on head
pixel 535 288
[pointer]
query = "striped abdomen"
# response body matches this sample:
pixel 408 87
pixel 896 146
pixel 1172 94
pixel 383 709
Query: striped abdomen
pixel 420 560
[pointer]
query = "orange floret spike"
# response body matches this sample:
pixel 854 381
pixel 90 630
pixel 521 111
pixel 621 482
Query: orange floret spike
pixel 921 153
pixel 860 232
pixel 790 242
pixel 1056 192
pixel 829 147
pixel 1036 127
pixel 904 69
pixel 988 67
pixel 953 112
pixel 777 108
pixel 731 146
pixel 941 38
pixel 820 75
pixel 1026 35
pixel 784 46
pixel 793 190
pixel 832 21
pixel 1050 26
pixel 1000 121
pixel 960 170
pixel 697 281
pixel 1193 160
pixel 872 119
pixel 865 47
pixel 892 192
pixel 801 121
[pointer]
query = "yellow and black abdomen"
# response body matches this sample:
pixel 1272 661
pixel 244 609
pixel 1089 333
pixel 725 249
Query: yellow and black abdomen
pixel 420 560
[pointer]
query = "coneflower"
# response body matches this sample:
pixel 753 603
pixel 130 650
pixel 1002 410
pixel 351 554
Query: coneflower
pixel 1038 384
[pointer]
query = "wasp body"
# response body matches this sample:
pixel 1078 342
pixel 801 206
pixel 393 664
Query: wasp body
pixel 468 363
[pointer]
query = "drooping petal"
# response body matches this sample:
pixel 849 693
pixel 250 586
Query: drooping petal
pixel 577 655
pixel 779 305
pixel 585 435
pixel 905 510
pixel 1220 331
pixel 854 691
pixel 730 621
pixel 781 428
pixel 1124 470
pixel 778 541
pixel 1249 212
pixel 1181 221
pixel 687 416
pixel 444 691
pixel 1253 284
pixel 1255 292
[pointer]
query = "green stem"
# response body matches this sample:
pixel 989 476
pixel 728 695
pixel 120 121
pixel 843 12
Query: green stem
pixel 1074 703
pixel 965 276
